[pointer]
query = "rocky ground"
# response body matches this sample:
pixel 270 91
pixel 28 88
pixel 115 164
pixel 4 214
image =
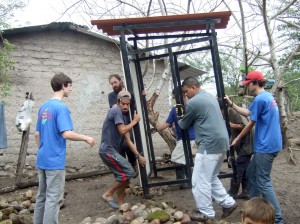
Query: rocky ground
pixel 82 200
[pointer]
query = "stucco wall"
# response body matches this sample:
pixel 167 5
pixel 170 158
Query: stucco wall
pixel 88 61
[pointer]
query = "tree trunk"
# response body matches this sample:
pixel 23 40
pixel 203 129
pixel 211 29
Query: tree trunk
pixel 153 119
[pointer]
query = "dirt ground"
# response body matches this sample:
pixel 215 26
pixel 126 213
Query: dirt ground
pixel 83 195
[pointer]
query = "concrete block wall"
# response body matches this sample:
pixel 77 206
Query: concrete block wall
pixel 88 60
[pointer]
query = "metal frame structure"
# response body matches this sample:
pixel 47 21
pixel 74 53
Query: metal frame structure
pixel 131 59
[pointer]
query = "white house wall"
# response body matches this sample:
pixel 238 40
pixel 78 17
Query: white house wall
pixel 88 61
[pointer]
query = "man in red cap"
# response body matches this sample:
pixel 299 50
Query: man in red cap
pixel 263 112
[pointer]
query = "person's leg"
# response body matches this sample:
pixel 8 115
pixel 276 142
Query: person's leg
pixel 121 193
pixel 178 153
pixel 242 165
pixel 109 194
pixel 218 191
pixel 54 180
pixel 180 173
pixel 252 187
pixel 264 182
pixel 201 184
pixel 235 180
pixel 121 168
pixel 40 198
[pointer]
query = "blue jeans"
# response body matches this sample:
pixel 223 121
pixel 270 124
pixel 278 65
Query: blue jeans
pixel 50 192
pixel 260 183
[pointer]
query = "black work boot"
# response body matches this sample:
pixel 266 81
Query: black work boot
pixel 244 194
pixel 180 174
pixel 234 187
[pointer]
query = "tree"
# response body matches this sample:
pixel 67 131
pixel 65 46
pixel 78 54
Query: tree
pixel 251 40
pixel 6 63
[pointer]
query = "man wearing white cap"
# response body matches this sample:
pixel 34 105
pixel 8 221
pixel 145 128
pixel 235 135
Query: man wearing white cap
pixel 114 132
pixel 263 112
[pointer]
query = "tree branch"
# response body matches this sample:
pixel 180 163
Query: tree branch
pixel 283 10
pixel 289 23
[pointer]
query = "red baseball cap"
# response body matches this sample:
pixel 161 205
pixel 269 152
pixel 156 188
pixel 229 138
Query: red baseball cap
pixel 254 75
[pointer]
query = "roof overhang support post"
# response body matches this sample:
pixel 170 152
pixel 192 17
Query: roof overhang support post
pixel 130 88
pixel 179 100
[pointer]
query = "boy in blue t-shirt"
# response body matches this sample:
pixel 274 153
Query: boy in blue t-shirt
pixel 54 126
pixel 264 114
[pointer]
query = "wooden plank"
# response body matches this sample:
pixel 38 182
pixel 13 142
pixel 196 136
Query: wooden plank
pixel 22 156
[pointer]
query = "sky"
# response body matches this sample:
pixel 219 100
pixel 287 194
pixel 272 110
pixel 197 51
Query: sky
pixel 39 12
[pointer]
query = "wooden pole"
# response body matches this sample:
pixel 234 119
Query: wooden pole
pixel 68 177
pixel 22 156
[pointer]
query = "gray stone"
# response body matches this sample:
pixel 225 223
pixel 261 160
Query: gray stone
pixel 4 173
pixel 128 216
pixel 178 215
pixel 114 219
pixel 25 212
pixel 155 221
pixel 7 221
pixel 7 211
pixel 185 219
pixel 26 218
pixel 138 220
pixel 28 194
pixel 26 204
pixel 100 220
pixel 15 218
pixel 125 207
pixel 3 203
pixel 87 220
pixel 17 206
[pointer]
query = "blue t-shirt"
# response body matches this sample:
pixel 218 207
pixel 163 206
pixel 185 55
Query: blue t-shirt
pixel 172 118
pixel 53 119
pixel 264 111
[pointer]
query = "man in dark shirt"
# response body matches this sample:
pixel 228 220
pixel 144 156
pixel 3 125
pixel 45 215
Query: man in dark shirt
pixel 117 84
pixel 114 132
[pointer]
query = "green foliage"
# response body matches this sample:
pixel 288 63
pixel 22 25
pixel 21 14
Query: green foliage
pixel 290 29
pixel 6 64
pixel 160 214
pixel 7 7
pixel 292 78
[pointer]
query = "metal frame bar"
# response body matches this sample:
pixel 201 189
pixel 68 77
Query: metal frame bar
pixel 134 51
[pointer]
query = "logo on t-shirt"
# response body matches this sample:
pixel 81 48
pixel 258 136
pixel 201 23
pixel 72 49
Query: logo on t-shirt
pixel 46 115
pixel 273 104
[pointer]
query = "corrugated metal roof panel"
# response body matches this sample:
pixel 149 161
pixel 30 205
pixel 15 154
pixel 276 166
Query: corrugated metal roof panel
pixel 108 25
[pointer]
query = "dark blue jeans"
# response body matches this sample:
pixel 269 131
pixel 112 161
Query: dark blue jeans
pixel 260 183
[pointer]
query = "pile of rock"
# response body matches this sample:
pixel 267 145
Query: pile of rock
pixel 18 209
pixel 150 212
pixel 147 212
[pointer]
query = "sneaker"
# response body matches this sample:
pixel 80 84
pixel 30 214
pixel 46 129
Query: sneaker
pixel 198 216
pixel 228 211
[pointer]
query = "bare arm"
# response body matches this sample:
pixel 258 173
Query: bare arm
pixel 236 126
pixel 163 126
pixel 132 147
pixel 73 136
pixel 244 132
pixel 243 111
pixel 126 128
pixel 37 138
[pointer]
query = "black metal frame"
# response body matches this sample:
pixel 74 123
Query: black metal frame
pixel 132 52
